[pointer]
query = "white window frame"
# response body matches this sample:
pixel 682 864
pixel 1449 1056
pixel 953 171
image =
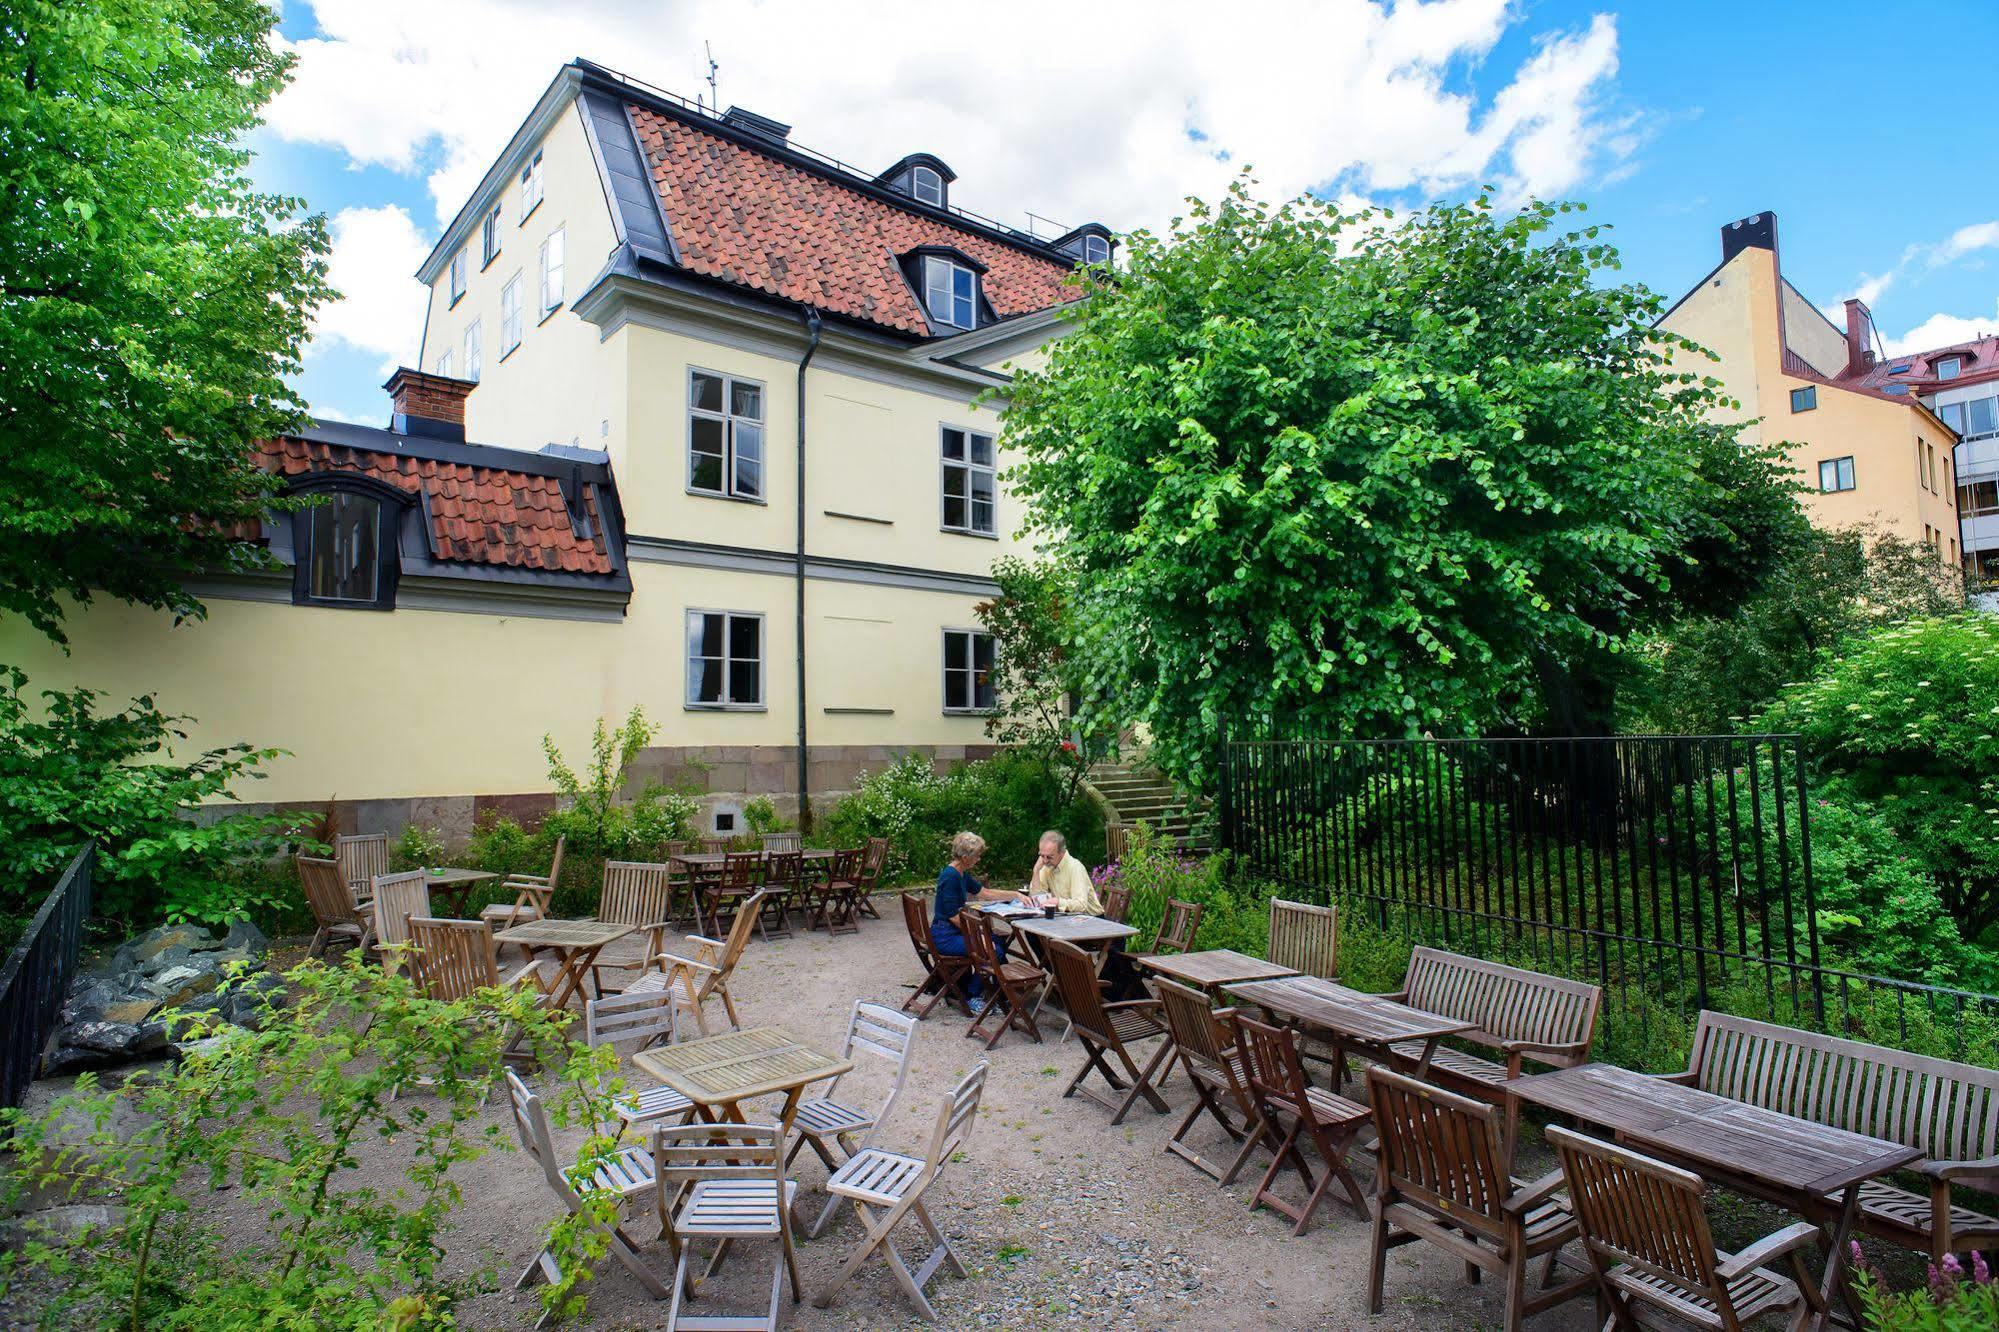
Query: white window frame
pixel 510 315
pixel 475 351
pixel 916 183
pixel 1839 474
pixel 444 363
pixel 552 247
pixel 944 466
pixel 1956 364
pixel 531 186
pixel 936 265
pixel 1096 250
pixel 729 617
pixel 972 709
pixel 730 419
pixel 458 275
pixel 489 238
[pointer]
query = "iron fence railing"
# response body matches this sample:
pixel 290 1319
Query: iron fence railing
pixel 1673 870
pixel 37 975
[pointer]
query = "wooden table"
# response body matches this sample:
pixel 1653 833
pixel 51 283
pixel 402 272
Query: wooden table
pixel 710 862
pixel 719 1073
pixel 1093 934
pixel 575 944
pixel 455 885
pixel 1791 1162
pixel 1356 1020
pixel 1212 968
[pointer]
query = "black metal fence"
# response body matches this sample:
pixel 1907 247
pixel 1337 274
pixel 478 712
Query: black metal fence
pixel 37 976
pixel 1676 871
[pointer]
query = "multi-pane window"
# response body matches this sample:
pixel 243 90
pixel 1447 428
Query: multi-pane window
pixel 725 435
pixel 1949 367
pixel 1804 399
pixel 927 186
pixel 343 548
pixel 950 292
pixel 970 482
pixel 457 276
pixel 551 272
pixel 1097 250
pixel 531 186
pixel 1975 499
pixel 725 659
pixel 475 351
pixel 444 362
pixel 510 315
pixel 1974 419
pixel 968 671
pixel 1836 474
pixel 489 237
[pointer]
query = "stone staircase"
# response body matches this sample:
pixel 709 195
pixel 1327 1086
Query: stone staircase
pixel 1137 794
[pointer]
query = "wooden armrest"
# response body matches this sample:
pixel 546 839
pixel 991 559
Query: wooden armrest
pixel 1794 1236
pixel 531 972
pixel 1131 1003
pixel 1988 1165
pixel 1685 1079
pixel 1397 997
pixel 1545 1047
pixel 668 961
pixel 1533 1195
pixel 704 939
pixel 656 925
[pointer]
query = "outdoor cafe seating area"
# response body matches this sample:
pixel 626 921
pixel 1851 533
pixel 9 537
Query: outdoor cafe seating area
pixel 1401 1115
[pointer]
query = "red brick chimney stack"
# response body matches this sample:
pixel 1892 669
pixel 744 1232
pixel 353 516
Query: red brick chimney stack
pixel 430 405
pixel 1859 337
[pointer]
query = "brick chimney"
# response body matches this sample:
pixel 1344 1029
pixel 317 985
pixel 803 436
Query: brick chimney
pixel 1859 337
pixel 429 405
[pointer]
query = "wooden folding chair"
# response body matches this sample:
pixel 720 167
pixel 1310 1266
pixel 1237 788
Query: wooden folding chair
pixel 1644 1226
pixel 723 1182
pixel 782 883
pixel 874 862
pixel 1012 983
pixel 782 841
pixel 395 898
pixel 733 884
pixel 362 857
pixel 626 1175
pixel 841 905
pixel 452 960
pixel 634 893
pixel 829 1125
pixel 1105 1032
pixel 1176 933
pixel 1300 1113
pixel 534 895
pixel 897 1184
pixel 1442 1175
pixel 1117 902
pixel 944 975
pixel 649 1017
pixel 332 903
pixel 693 981
pixel 717 846
pixel 1304 937
pixel 1206 1043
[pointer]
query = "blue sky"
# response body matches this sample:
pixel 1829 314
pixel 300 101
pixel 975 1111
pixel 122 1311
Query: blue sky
pixel 1668 119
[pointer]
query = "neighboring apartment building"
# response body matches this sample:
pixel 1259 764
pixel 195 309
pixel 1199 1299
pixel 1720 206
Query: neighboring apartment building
pixel 743 479
pixel 1869 455
pixel 1961 385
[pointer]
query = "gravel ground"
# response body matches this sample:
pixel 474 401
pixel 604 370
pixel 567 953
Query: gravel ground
pixel 1061 1219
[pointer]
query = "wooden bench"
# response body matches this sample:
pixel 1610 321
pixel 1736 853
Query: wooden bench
pixel 1522 1014
pixel 1945 1110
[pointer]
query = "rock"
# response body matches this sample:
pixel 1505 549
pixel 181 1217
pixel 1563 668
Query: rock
pixel 134 1010
pixel 248 938
pixel 178 984
pixel 154 942
pixel 87 1000
pixel 110 1038
pixel 58 1225
pixel 225 959
pixel 206 1045
pixel 65 1060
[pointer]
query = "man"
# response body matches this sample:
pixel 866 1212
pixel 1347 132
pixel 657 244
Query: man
pixel 1059 875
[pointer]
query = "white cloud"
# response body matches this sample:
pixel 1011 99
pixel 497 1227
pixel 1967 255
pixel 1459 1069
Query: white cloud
pixel 1114 111
pixel 1963 241
pixel 1942 330
pixel 380 310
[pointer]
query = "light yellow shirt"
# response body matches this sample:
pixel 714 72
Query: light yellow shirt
pixel 1069 884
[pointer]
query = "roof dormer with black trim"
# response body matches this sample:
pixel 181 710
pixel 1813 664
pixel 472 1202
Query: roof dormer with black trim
pixel 1091 243
pixel 923 178
pixel 950 286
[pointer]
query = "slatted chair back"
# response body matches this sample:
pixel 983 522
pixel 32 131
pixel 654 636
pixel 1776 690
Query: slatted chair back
pixel 741 871
pixel 881 1032
pixel 1082 998
pixel 686 1154
pixel 1507 1003
pixel 635 893
pixel 397 898
pixel 784 869
pixel 1117 840
pixel 1643 1212
pixel 1945 1110
pixel 553 878
pixel 1117 902
pixel 717 846
pixel 1439 1150
pixel 1270 1058
pixel 873 863
pixel 916 918
pixel 1176 934
pixel 531 1127
pixel 1304 937
pixel 979 947
pixel 362 857
pixel 954 1119
pixel 326 892
pixel 739 935
pixel 1202 1037
pixel 783 841
pixel 649 1017
pixel 453 959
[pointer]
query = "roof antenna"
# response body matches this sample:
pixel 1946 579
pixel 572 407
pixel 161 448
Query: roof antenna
pixel 714 98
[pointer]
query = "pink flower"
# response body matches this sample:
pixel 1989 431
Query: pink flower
pixel 1979 1271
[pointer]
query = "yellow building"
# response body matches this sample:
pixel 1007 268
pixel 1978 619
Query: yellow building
pixel 1868 456
pixel 733 465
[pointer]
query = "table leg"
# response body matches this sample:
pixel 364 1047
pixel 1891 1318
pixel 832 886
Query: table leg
pixel 1834 1284
pixel 569 976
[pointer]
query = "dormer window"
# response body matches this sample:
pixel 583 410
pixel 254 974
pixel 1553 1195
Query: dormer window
pixel 344 543
pixel 926 186
pixel 1096 250
pixel 1948 367
pixel 950 292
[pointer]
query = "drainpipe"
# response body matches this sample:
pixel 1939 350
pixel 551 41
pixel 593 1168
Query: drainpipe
pixel 812 330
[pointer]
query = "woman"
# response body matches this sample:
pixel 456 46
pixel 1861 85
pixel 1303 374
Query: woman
pixel 956 889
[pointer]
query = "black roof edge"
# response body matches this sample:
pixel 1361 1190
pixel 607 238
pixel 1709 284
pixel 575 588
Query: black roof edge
pixel 947 252
pixel 594 465
pixel 931 160
pixel 1087 229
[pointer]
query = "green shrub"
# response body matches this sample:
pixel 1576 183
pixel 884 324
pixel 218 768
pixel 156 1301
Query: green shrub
pixel 81 774
pixel 1957 1299
pixel 417 848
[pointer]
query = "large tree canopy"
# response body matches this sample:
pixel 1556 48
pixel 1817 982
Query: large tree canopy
pixel 151 302
pixel 1389 475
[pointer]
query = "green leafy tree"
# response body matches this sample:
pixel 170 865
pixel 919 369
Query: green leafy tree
pixel 1389 475
pixel 151 301
pixel 1033 675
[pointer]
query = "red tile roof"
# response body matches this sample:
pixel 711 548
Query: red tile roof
pixel 477 515
pixel 751 219
pixel 1981 362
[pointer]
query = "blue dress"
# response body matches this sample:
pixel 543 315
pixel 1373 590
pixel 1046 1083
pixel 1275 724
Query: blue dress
pixel 954 886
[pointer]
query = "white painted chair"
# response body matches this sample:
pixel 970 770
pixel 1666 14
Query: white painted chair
pixel 827 1124
pixel 723 1182
pixel 628 1174
pixel 897 1184
pixel 650 1017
